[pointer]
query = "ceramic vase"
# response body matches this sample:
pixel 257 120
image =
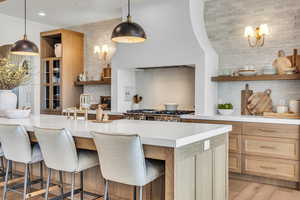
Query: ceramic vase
pixel 8 101
pixel 58 50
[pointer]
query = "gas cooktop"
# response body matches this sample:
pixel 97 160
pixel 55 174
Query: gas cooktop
pixel 159 112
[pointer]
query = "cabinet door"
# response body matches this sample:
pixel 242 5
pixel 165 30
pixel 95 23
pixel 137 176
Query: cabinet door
pixel 220 173
pixel 51 85
pixel 234 143
pixel 46 85
pixel 235 162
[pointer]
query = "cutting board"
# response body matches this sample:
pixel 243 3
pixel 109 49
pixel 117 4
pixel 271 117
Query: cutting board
pixel 245 95
pixel 260 102
pixel 282 115
pixel 295 60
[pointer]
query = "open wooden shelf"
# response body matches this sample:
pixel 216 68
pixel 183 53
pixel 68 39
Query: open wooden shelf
pixel 100 82
pixel 52 58
pixel 257 78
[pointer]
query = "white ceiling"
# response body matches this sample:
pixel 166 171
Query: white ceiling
pixel 63 13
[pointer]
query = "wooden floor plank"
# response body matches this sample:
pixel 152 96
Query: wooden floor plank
pixel 244 190
pixel 238 190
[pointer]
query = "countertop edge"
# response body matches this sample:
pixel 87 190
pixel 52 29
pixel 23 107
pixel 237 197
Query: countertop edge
pixel 241 118
pixel 203 136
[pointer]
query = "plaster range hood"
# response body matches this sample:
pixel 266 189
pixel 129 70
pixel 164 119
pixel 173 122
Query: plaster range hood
pixel 176 38
pixel 166 67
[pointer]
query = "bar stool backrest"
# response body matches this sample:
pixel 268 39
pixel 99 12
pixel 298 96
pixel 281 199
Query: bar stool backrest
pixel 121 158
pixel 15 143
pixel 58 148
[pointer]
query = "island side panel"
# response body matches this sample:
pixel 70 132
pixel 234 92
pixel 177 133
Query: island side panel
pixel 199 174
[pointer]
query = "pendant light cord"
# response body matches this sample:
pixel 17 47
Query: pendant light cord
pixel 25 18
pixel 128 16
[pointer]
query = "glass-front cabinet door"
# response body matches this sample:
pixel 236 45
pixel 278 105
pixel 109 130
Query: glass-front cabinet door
pixel 51 85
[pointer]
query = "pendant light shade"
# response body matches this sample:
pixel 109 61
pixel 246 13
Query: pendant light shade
pixel 128 32
pixel 25 47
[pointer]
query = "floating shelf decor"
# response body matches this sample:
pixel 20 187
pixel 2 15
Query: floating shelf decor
pixel 100 82
pixel 256 78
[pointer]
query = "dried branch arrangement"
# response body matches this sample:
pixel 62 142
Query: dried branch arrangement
pixel 12 76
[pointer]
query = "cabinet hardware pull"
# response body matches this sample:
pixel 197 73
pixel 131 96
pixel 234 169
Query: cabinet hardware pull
pixel 268 168
pixel 267 147
pixel 268 131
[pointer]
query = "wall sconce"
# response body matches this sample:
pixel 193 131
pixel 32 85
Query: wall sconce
pixel 105 53
pixel 259 33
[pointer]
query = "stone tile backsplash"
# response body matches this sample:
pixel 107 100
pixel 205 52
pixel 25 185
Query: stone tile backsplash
pixel 96 34
pixel 281 90
pixel 225 23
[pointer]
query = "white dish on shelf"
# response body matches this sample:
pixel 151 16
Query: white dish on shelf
pixel 17 114
pixel 247 73
pixel 225 111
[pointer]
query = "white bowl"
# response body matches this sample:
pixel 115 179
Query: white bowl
pixel 225 111
pixel 17 114
pixel 247 73
pixel 171 106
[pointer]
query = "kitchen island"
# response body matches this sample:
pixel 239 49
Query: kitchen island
pixel 195 155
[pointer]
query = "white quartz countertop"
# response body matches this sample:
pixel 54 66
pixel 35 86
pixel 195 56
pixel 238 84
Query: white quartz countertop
pixel 243 118
pixel 157 133
pixel 109 112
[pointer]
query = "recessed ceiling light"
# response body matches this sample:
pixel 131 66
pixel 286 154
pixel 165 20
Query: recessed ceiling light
pixel 42 14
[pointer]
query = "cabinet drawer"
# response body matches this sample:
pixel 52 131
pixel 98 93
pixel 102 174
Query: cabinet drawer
pixel 273 147
pixel 234 143
pixel 272 168
pixel 235 163
pixel 271 130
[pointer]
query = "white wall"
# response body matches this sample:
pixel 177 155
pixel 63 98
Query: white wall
pixel 176 36
pixel 12 29
pixel 166 85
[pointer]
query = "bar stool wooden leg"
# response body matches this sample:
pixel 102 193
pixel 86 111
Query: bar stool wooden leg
pixel 25 181
pixel 48 183
pixel 61 184
pixel 6 180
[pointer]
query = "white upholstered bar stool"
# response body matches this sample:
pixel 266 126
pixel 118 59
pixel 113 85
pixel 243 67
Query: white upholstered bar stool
pixel 122 160
pixel 17 148
pixel 60 153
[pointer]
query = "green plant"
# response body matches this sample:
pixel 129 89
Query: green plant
pixel 227 106
pixel 12 76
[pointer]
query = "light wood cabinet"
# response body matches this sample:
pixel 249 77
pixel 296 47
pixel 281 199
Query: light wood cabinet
pixel 272 168
pixel 264 150
pixel 271 130
pixel 58 74
pixel 272 147
pixel 235 143
pixel 235 162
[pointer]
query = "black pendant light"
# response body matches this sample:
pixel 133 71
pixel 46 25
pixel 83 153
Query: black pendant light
pixel 128 32
pixel 25 47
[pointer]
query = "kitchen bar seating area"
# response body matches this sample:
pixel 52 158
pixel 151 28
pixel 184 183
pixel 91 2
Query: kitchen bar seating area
pixel 73 150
